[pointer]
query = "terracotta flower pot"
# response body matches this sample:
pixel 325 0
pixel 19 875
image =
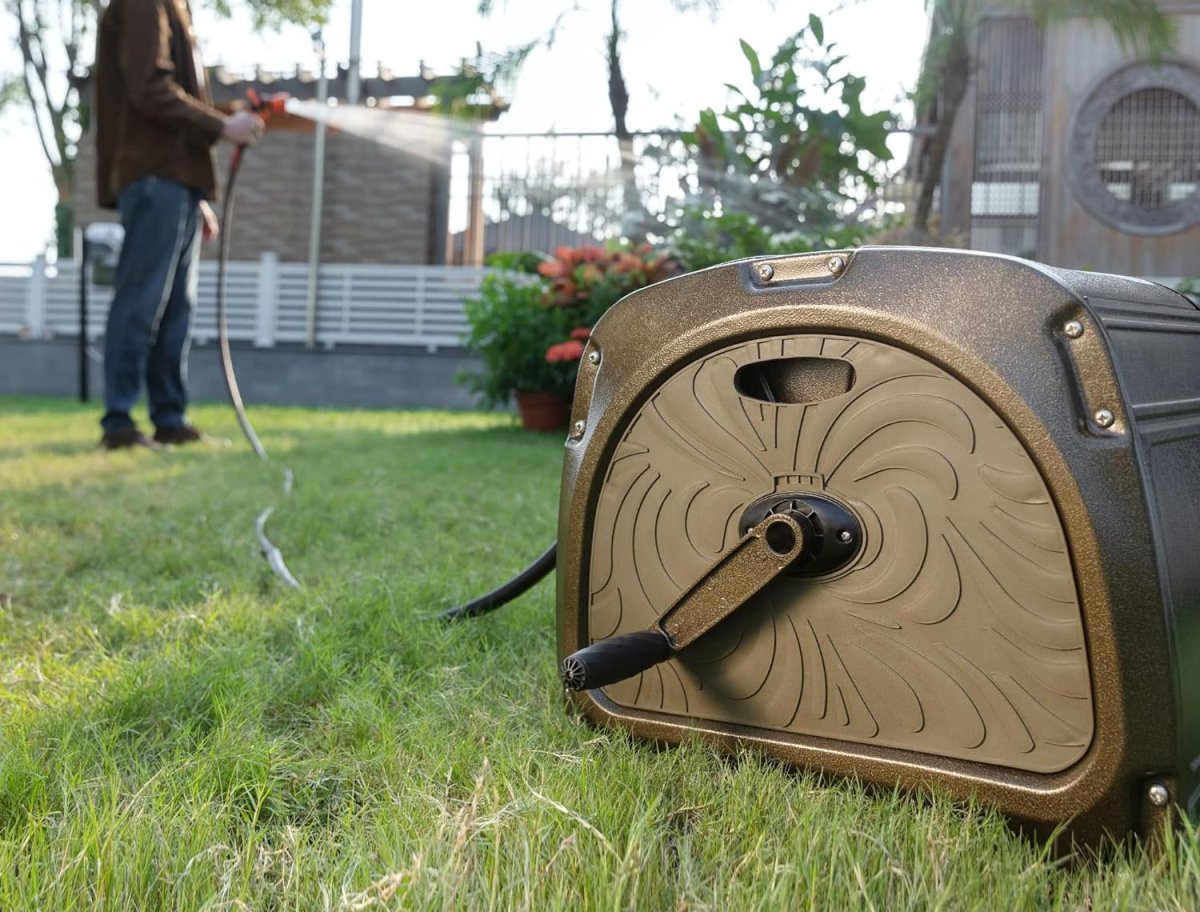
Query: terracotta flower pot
pixel 544 411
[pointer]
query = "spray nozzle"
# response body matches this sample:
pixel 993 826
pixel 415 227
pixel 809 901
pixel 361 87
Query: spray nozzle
pixel 267 106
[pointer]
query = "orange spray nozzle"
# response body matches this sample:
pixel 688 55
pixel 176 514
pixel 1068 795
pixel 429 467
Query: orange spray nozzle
pixel 267 106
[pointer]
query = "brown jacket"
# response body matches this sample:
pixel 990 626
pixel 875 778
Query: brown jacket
pixel 154 116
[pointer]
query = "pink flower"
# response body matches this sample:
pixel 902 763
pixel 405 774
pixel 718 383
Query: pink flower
pixel 581 333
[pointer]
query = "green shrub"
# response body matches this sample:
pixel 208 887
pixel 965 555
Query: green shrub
pixel 703 239
pixel 511 328
pixel 528 330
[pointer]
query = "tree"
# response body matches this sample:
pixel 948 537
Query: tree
pixel 55 38
pixel 796 146
pixel 618 88
pixel 949 64
pixel 791 164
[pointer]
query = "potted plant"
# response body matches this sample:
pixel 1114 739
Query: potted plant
pixel 551 411
pixel 529 330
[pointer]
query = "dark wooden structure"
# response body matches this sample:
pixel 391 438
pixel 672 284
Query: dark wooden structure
pixel 1071 150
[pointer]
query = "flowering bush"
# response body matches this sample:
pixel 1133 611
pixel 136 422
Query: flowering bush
pixel 571 350
pixel 510 330
pixel 530 331
pixel 590 280
pixel 564 352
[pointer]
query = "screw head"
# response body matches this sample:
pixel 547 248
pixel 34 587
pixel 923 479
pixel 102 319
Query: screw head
pixel 1105 418
pixel 836 264
pixel 765 271
pixel 1073 329
pixel 845 537
pixel 594 357
pixel 1158 795
pixel 577 429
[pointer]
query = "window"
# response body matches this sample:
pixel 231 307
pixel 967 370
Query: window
pixel 1135 150
pixel 1006 184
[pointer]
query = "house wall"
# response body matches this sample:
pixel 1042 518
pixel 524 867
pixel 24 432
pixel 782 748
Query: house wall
pixel 1078 57
pixel 380 201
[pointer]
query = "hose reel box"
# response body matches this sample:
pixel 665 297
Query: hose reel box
pixel 919 517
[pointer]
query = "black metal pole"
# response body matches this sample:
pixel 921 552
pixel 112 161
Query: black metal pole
pixel 83 318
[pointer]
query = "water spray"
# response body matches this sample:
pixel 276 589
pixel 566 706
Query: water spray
pixel 419 134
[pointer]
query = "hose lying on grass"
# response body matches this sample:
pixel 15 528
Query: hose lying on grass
pixel 484 604
pixel 272 553
pixel 508 591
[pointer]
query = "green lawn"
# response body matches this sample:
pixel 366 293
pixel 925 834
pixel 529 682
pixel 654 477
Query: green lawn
pixel 179 731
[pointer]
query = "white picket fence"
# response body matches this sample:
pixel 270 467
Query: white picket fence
pixel 365 304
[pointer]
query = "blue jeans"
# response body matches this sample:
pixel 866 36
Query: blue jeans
pixel 148 323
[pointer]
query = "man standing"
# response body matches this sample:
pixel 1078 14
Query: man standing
pixel 155 129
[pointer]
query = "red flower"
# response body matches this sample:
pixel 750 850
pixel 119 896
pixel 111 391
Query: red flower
pixel 571 350
pixel 575 274
pixel 581 333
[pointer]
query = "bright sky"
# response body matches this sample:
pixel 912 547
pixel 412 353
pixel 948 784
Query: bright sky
pixel 674 65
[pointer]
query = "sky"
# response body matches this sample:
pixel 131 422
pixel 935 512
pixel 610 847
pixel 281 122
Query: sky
pixel 675 64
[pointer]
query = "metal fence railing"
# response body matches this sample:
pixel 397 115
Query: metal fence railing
pixel 542 190
pixel 356 304
pixel 546 190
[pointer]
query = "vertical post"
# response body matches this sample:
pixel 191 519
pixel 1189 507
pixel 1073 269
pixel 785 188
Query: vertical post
pixel 318 201
pixel 419 305
pixel 437 249
pixel 35 302
pixel 354 75
pixel 83 316
pixel 473 255
pixel 267 306
pixel 347 300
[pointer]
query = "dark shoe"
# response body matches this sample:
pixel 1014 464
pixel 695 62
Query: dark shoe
pixel 126 438
pixel 178 436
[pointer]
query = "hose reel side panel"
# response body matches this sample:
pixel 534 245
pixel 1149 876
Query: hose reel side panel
pixel 957 631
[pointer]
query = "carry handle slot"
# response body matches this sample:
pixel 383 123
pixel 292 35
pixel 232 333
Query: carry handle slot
pixel 795 381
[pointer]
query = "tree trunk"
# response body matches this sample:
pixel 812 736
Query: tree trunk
pixel 954 74
pixel 64 208
pixel 618 98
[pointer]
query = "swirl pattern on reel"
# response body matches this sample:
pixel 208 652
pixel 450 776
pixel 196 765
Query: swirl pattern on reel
pixel 958 630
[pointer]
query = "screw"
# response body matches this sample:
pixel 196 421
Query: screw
pixel 1105 418
pixel 845 537
pixel 836 265
pixel 1073 329
pixel 1158 795
pixel 766 271
pixel 594 357
pixel 577 429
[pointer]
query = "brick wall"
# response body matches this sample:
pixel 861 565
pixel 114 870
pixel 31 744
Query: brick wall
pixel 379 201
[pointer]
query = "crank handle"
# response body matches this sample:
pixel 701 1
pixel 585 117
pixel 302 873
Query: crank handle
pixel 761 555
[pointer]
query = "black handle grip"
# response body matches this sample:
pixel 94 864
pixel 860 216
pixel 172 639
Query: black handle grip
pixel 614 659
